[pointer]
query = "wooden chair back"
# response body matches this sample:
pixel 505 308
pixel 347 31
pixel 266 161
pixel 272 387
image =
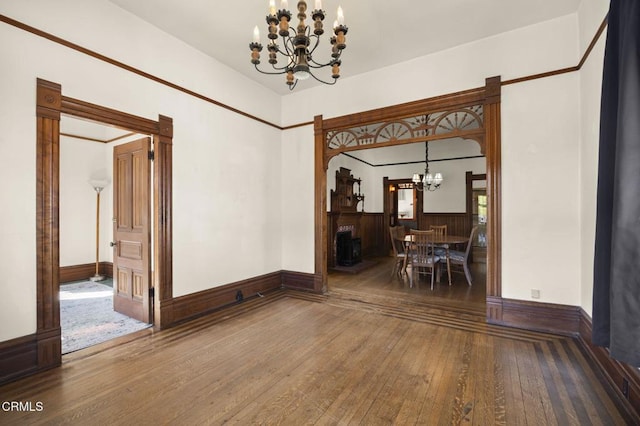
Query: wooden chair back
pixel 422 248
pixel 396 239
pixel 439 231
pixel 470 243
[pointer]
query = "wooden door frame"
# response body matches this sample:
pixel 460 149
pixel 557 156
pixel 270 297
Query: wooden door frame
pixel 50 104
pixel 489 96
pixel 469 178
pixel 418 198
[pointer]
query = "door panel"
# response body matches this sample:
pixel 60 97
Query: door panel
pixel 132 251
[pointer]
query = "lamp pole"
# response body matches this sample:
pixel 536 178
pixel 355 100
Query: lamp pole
pixel 98 186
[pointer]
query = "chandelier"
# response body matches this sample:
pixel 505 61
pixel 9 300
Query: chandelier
pixel 427 181
pixel 298 46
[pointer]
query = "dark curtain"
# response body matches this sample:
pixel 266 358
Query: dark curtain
pixel 616 292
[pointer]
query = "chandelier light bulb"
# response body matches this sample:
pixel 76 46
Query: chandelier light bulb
pixel 301 75
pixel 272 7
pixel 318 4
pixel 340 19
pixel 428 179
pixel 284 5
pixel 256 34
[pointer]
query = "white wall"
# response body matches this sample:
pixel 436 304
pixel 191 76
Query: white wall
pixel 540 189
pixel 451 197
pixel 80 161
pixel 540 134
pixel 226 168
pixel 591 14
pixel 297 218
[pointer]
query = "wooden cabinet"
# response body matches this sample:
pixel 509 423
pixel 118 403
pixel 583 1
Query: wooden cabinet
pixel 345 198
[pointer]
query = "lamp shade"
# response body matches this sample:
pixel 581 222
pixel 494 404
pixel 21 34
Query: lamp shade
pixel 98 184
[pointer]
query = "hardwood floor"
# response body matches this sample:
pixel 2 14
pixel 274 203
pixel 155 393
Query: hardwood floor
pixel 378 281
pixel 390 356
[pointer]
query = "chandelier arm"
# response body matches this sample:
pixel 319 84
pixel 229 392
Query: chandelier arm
pixel 285 55
pixel 316 65
pixel 289 51
pixel 282 69
pixel 271 73
pixel 322 81
pixel 317 43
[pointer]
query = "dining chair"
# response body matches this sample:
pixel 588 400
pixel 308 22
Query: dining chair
pixel 442 249
pixel 397 234
pixel 461 258
pixel 422 254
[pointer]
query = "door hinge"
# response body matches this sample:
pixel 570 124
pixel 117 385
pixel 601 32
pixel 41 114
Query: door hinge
pixel 151 292
pixel 151 155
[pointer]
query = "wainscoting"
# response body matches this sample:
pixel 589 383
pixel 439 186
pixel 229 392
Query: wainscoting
pixel 84 271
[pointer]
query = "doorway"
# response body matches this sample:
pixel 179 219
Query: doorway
pixel 388 181
pixel 50 105
pixel 88 186
pixel 472 114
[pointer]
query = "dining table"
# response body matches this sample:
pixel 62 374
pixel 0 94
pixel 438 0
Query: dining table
pixel 439 240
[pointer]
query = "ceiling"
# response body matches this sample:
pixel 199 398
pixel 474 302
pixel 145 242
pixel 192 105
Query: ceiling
pixel 77 128
pixel 381 32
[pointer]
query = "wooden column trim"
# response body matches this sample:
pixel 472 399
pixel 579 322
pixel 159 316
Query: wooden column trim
pixel 48 102
pixel 163 229
pixel 494 198
pixel 320 206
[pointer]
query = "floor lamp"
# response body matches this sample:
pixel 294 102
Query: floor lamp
pixel 98 186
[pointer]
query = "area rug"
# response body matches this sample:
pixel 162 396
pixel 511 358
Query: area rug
pixel 87 316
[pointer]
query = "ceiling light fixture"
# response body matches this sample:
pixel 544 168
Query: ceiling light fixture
pixel 427 181
pixel 298 46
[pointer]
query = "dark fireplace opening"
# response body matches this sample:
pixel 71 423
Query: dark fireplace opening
pixel 348 250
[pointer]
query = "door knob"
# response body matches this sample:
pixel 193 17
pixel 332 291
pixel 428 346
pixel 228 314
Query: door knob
pixel 113 243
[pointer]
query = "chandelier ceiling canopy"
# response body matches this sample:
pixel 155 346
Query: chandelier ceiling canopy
pixel 294 57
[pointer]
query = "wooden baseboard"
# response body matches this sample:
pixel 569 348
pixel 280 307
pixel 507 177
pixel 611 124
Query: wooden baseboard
pixel 298 280
pixel 616 372
pixel 193 305
pixel 536 316
pixel 18 358
pixel 84 271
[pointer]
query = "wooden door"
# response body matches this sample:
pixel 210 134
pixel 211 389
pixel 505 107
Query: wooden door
pixel 131 230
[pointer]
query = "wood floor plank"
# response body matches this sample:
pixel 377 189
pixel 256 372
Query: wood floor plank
pixel 509 376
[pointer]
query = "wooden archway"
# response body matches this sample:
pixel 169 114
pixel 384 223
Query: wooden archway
pixel 50 104
pixel 336 135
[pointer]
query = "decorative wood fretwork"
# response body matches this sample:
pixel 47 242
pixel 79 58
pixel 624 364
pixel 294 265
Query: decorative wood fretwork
pixel 464 122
